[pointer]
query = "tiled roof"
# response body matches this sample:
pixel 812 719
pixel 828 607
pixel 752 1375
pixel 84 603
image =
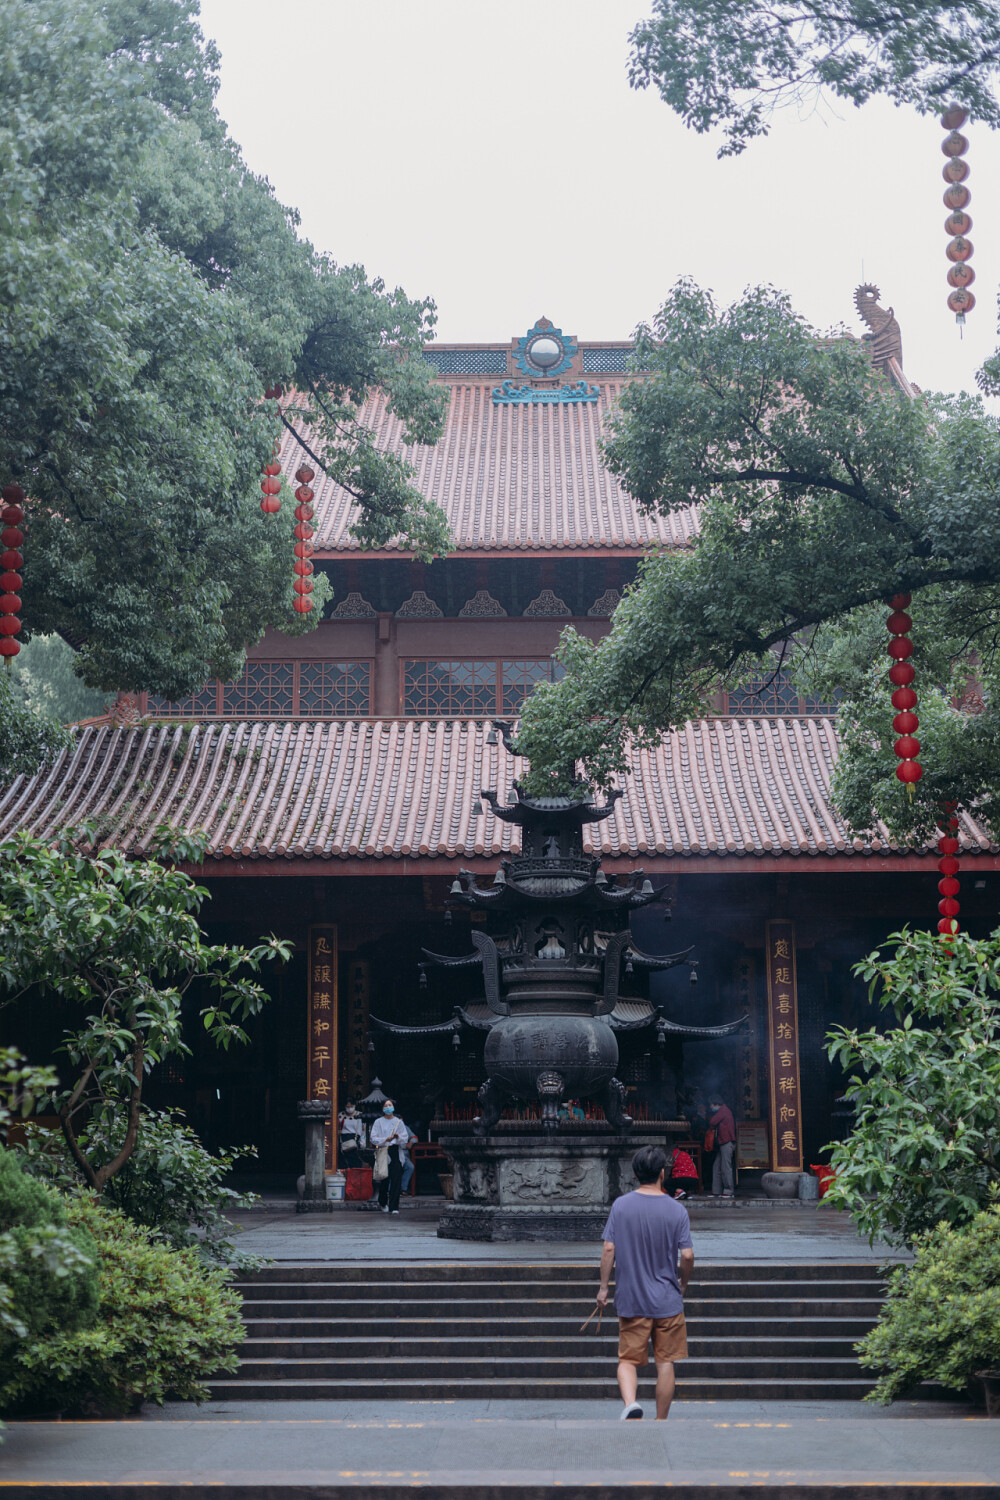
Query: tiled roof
pixel 402 788
pixel 508 477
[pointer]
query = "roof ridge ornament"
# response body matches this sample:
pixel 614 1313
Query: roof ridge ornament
pixel 544 350
pixel 509 394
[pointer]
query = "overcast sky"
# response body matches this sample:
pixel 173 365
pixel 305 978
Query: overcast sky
pixel 495 158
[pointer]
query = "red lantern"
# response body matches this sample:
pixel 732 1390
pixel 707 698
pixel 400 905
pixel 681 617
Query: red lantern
pixel 302 605
pixel 899 623
pixel 906 747
pixel 904 698
pixel 10 604
pixel 271 485
pixel 955 170
pixel 948 845
pixel 11 536
pixel 9 625
pixel 949 886
pixel 273 467
pixel 901 673
pixel 909 772
pixel 961 275
pixel 956 196
pixel 961 302
pixel 947 926
pixel 954 117
pixel 305 494
pixel 954 144
pixel 900 648
pixel 270 505
pixel 949 907
pixel 957 222
pixel 8 647
pixel 303 549
pixel 304 513
pixel 302 585
pixel 10 582
pixel 959 248
pixel 11 515
pixel 304 474
pixel 905 723
pixel 302 531
pixel 12 494
pixel 302 566
pixel 11 559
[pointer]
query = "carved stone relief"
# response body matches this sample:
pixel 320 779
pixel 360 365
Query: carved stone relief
pixel 418 607
pixel 482 604
pixel 353 607
pixel 604 607
pixel 552 1181
pixel 546 605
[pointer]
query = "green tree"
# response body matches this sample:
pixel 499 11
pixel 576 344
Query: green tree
pixel 821 493
pixel 119 940
pixel 151 289
pixel 925 1146
pixel 44 681
pixel 734 64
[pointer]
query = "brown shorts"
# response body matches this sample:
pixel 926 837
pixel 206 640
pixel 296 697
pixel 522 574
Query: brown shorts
pixel 669 1337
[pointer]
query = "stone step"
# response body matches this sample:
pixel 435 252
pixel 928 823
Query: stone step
pixel 453 1273
pixel 515 1291
pixel 359 1386
pixel 554 1328
pixel 815 1308
pixel 501 1344
pixel 487 1366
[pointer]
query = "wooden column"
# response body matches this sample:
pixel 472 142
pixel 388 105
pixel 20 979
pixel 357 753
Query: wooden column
pixel 783 1048
pixel 321 1046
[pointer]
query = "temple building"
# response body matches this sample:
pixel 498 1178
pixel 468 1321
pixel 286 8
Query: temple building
pixel 339 785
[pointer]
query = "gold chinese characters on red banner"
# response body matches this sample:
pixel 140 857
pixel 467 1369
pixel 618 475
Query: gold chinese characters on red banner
pixel 783 1049
pixel 321 1055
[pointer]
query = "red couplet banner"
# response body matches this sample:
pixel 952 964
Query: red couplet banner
pixel 783 1049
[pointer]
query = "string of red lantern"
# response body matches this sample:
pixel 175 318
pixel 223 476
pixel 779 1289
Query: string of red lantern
pixel 12 561
pixel 948 885
pixel 904 699
pixel 271 483
pixel 958 223
pixel 303 532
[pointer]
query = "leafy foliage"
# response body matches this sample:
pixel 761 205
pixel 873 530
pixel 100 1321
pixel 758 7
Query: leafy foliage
pixel 941 1320
pixel 119 939
pixel 27 738
pixel 48 1275
pixel 730 63
pixel 821 491
pixel 151 289
pixel 925 1147
pixel 165 1323
pixel 44 681
pixel 170 1184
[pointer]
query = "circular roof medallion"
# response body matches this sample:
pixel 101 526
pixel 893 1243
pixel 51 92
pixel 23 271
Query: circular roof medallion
pixel 545 352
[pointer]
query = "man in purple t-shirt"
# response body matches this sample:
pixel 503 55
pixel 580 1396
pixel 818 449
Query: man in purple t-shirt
pixel 647 1239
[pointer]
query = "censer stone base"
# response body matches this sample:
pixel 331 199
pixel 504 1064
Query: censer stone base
pixel 554 1186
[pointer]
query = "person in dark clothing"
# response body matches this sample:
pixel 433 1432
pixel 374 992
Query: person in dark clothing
pixel 721 1121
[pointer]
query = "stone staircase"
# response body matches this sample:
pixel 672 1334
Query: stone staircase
pixel 444 1332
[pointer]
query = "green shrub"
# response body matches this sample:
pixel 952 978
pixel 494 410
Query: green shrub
pixel 165 1323
pixel 170 1184
pixel 942 1317
pixel 48 1267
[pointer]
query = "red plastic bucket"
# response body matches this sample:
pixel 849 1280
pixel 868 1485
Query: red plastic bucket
pixel 825 1175
pixel 359 1183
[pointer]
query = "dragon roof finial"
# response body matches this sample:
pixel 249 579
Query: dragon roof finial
pixel 885 338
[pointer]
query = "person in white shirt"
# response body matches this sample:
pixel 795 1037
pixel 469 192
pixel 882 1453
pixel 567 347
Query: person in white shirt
pixel 389 1131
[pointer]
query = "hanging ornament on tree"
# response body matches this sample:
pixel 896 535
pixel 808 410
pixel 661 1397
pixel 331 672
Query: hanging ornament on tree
pixel 948 885
pixel 958 223
pixel 11 560
pixel 303 532
pixel 904 699
pixel 271 483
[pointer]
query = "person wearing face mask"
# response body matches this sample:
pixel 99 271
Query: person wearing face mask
pixel 390 1132
pixel 352 1136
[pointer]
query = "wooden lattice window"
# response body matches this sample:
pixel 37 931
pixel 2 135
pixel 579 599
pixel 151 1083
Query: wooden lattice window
pixel 338 689
pixel 767 695
pixel 200 705
pixel 520 678
pixel 279 690
pixel 445 688
pixel 263 692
